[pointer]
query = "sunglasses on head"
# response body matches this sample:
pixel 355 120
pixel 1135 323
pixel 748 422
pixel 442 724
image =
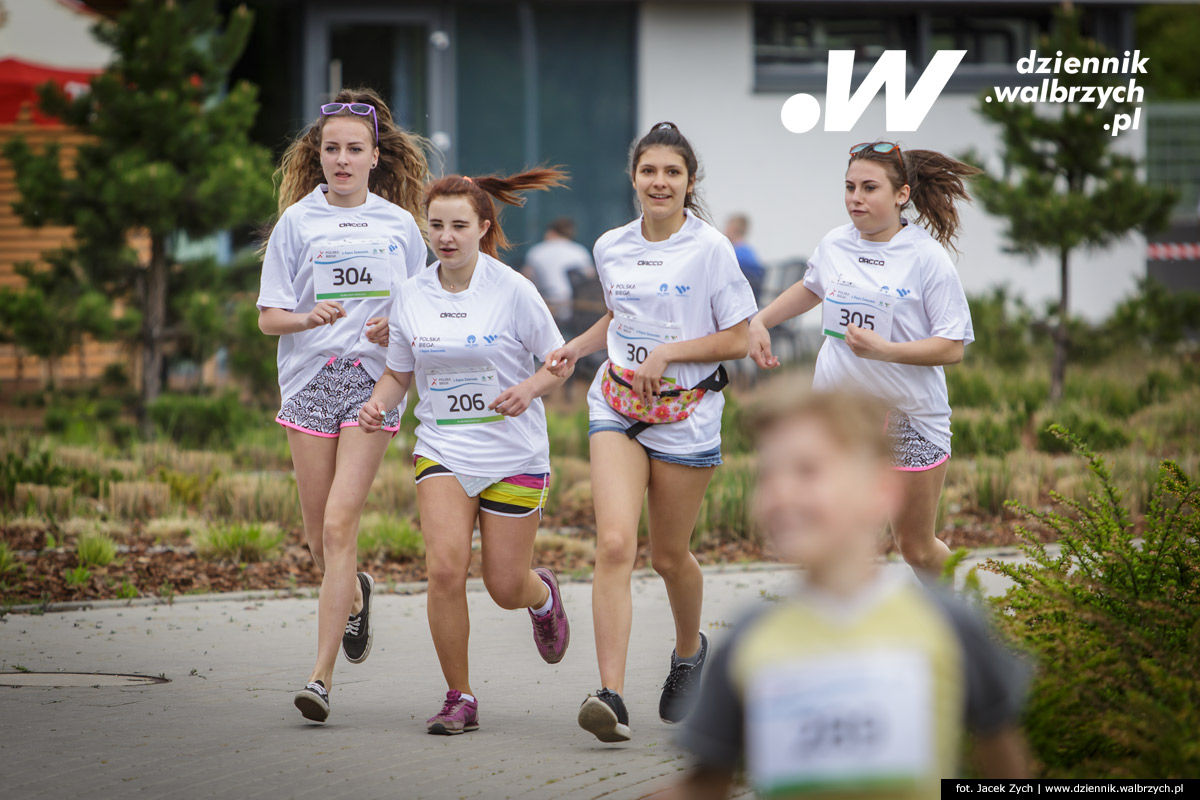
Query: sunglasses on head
pixel 881 148
pixel 361 109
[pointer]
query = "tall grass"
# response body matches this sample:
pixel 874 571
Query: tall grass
pixel 239 542
pixel 386 537
pixel 256 498
pixel 95 550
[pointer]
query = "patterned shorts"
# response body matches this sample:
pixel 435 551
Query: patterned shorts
pixel 912 452
pixel 515 496
pixel 331 401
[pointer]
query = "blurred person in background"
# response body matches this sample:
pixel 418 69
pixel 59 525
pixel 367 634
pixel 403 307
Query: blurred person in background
pixel 861 681
pixel 737 229
pixel 549 264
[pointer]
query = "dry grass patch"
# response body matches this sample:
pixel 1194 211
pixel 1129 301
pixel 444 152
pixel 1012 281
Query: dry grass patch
pixel 255 498
pixel 55 501
pixel 137 499
pixel 175 530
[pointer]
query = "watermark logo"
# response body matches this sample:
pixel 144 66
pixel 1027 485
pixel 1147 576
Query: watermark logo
pixel 905 112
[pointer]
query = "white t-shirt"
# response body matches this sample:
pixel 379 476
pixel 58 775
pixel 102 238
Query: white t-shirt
pixel 914 269
pixel 551 261
pixel 313 230
pixel 498 322
pixel 691 281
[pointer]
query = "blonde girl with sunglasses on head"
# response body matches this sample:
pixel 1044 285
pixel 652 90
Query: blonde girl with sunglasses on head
pixel 894 314
pixel 347 238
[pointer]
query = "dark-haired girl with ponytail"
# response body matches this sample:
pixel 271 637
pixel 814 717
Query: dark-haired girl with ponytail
pixel 469 330
pixel 894 314
pixel 678 305
pixel 346 239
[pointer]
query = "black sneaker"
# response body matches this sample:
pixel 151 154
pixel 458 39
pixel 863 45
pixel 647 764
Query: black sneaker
pixel 680 685
pixel 356 641
pixel 313 701
pixel 604 716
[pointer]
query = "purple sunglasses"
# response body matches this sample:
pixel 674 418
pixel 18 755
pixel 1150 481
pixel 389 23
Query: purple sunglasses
pixel 361 109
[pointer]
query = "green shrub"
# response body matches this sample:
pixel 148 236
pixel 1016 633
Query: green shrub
pixel 200 421
pixel 1002 328
pixel 1114 624
pixel 568 432
pixel 1114 398
pixel 239 542
pixel 25 465
pixel 77 576
pixel 1097 430
pixel 991 433
pixel 969 388
pixel 726 512
pixel 95 550
pixel 389 538
pixel 9 563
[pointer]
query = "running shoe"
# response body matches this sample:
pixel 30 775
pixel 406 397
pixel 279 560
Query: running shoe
pixel 604 716
pixel 551 631
pixel 458 715
pixel 356 641
pixel 313 701
pixel 680 685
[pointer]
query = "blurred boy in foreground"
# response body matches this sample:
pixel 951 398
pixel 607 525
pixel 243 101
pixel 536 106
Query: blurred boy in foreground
pixel 860 683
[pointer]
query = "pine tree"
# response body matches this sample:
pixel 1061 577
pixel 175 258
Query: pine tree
pixel 1064 187
pixel 168 153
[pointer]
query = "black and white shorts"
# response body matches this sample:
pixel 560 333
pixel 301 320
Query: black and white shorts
pixel 331 401
pixel 911 452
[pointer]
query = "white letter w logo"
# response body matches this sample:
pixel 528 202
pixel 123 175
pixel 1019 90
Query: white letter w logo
pixel 801 112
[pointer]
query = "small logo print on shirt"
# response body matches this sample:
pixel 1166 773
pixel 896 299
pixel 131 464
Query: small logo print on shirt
pixel 903 292
pixel 471 339
pixel 682 291
pixel 454 315
pixel 393 248
pixel 663 290
pixel 650 263
pixel 491 338
pixel 352 224
pixel 878 262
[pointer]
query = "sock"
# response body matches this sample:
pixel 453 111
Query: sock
pixel 468 697
pixel 547 606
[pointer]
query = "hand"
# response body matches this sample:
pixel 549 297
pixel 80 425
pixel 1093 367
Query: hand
pixel 370 416
pixel 377 331
pixel 760 345
pixel 867 343
pixel 561 363
pixel 513 401
pixel 325 312
pixel 648 376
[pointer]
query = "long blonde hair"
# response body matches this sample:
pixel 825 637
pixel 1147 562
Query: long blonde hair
pixel 399 177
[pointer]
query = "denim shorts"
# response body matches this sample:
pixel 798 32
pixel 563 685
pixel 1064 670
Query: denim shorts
pixel 705 458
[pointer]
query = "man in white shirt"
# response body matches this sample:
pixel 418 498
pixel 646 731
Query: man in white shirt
pixel 549 264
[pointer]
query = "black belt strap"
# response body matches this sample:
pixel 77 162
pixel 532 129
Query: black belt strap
pixel 713 383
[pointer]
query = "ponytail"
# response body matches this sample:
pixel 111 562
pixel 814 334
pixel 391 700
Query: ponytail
pixel 480 191
pixel 667 134
pixel 935 183
pixel 399 177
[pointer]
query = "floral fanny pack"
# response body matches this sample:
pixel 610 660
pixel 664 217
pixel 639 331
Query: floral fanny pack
pixel 670 405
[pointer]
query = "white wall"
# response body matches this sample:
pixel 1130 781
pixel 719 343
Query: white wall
pixel 51 33
pixel 696 65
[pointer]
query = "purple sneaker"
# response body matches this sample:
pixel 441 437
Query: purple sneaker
pixel 458 715
pixel 551 631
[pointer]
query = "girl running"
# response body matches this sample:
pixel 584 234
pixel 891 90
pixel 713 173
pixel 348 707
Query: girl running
pixel 894 314
pixel 678 305
pixel 470 329
pixel 342 246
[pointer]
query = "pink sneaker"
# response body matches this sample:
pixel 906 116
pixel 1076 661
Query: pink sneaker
pixel 458 715
pixel 551 631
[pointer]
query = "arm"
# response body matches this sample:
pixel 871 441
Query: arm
pixel 932 352
pixel 1002 754
pixel 513 401
pixel 797 299
pixel 729 343
pixel 389 391
pixel 562 361
pixel 702 783
pixel 277 321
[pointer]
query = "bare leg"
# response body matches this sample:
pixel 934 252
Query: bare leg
pixel 507 550
pixel 676 492
pixel 358 457
pixel 620 475
pixel 447 522
pixel 912 526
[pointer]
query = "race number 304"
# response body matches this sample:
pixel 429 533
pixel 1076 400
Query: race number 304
pixel 352 269
pixel 847 305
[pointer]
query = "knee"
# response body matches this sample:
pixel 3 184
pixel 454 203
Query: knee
pixel 615 551
pixel 446 575
pixel 670 565
pixel 919 551
pixel 505 591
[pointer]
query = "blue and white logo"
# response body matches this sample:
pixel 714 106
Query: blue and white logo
pixel 903 292
pixel 663 290
pixel 471 339
pixel 491 338
pixel 682 291
pixel 393 248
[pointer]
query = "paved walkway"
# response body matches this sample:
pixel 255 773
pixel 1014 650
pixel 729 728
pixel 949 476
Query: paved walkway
pixel 224 725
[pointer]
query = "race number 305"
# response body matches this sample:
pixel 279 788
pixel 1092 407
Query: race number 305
pixel 847 305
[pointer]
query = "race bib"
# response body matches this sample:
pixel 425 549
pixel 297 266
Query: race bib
pixel 861 721
pixel 461 396
pixel 352 269
pixel 848 305
pixel 631 340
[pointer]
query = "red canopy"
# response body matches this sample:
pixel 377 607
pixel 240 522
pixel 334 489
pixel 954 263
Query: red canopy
pixel 20 79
